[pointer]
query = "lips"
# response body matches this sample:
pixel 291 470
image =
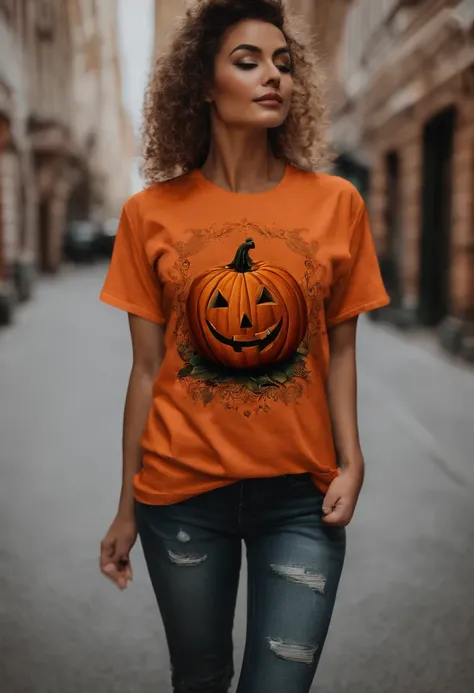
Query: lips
pixel 271 96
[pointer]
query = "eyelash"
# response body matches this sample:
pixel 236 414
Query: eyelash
pixel 250 66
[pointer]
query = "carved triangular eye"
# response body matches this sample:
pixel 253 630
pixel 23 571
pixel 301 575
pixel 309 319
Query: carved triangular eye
pixel 218 301
pixel 265 297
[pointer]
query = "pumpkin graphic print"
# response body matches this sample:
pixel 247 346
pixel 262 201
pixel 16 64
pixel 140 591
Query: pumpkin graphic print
pixel 246 315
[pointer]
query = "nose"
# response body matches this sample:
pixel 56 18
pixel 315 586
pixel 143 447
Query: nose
pixel 245 322
pixel 273 76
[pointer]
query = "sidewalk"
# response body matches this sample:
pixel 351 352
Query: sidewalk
pixel 423 388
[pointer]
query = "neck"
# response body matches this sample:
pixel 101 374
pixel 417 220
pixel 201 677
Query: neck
pixel 241 161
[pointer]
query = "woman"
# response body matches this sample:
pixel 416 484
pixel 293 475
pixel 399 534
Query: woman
pixel 240 418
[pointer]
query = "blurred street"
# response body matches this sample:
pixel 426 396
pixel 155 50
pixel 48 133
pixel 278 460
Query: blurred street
pixel 404 620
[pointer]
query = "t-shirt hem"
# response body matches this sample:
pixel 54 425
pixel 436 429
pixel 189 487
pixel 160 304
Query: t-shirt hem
pixel 358 310
pixel 131 308
pixel 159 498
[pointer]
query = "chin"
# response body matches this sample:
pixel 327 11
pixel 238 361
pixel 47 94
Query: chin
pixel 268 122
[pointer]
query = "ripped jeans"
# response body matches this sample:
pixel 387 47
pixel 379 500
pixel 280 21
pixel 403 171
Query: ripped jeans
pixel 193 554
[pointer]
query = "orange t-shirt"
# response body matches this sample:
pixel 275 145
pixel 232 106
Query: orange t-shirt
pixel 247 285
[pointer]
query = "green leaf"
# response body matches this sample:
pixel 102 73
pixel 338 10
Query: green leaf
pixel 195 360
pixel 263 380
pixel 290 370
pixel 203 373
pixel 280 377
pixel 224 378
pixel 185 372
pixel 252 386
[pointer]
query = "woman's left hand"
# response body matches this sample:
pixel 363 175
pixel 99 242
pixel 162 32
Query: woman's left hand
pixel 341 498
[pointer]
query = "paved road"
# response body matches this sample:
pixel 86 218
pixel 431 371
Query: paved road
pixel 404 621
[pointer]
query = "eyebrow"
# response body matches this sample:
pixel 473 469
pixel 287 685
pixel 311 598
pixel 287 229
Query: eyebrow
pixel 256 49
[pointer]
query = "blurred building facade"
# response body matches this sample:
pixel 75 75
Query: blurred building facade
pixel 404 128
pixel 166 12
pixel 66 141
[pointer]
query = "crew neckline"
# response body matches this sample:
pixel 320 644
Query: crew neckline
pixel 203 181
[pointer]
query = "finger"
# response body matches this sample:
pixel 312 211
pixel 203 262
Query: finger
pixel 110 570
pixel 338 517
pixel 330 503
pixel 118 571
pixel 121 581
pixel 129 572
pixel 123 558
pixel 125 568
pixel 106 559
pixel 112 573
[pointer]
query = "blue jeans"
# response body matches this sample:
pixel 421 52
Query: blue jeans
pixel 193 554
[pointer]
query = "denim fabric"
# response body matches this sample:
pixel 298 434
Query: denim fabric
pixel 193 553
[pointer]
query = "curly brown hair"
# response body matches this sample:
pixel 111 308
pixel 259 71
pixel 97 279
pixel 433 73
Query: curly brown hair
pixel 176 114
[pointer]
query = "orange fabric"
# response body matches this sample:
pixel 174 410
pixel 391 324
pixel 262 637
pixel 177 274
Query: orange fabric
pixel 247 285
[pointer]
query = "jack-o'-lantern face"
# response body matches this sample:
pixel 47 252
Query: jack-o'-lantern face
pixel 246 314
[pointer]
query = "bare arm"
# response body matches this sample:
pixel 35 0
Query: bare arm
pixel 148 352
pixel 343 395
pixel 342 392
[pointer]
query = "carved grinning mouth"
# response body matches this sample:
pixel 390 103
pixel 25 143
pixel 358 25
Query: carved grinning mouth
pixel 262 340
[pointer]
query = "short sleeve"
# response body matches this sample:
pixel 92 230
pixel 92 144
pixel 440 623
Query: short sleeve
pixel 131 283
pixel 358 285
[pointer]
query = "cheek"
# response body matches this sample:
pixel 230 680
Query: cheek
pixel 287 86
pixel 233 93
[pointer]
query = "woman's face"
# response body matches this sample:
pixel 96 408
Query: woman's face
pixel 252 79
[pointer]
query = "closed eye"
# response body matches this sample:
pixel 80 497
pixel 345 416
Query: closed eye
pixel 246 66
pixel 285 69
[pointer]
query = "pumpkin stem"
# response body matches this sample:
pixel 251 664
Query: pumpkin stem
pixel 242 261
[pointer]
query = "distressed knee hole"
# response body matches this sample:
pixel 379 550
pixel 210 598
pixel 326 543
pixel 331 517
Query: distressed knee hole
pixel 302 576
pixel 186 560
pixel 293 652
